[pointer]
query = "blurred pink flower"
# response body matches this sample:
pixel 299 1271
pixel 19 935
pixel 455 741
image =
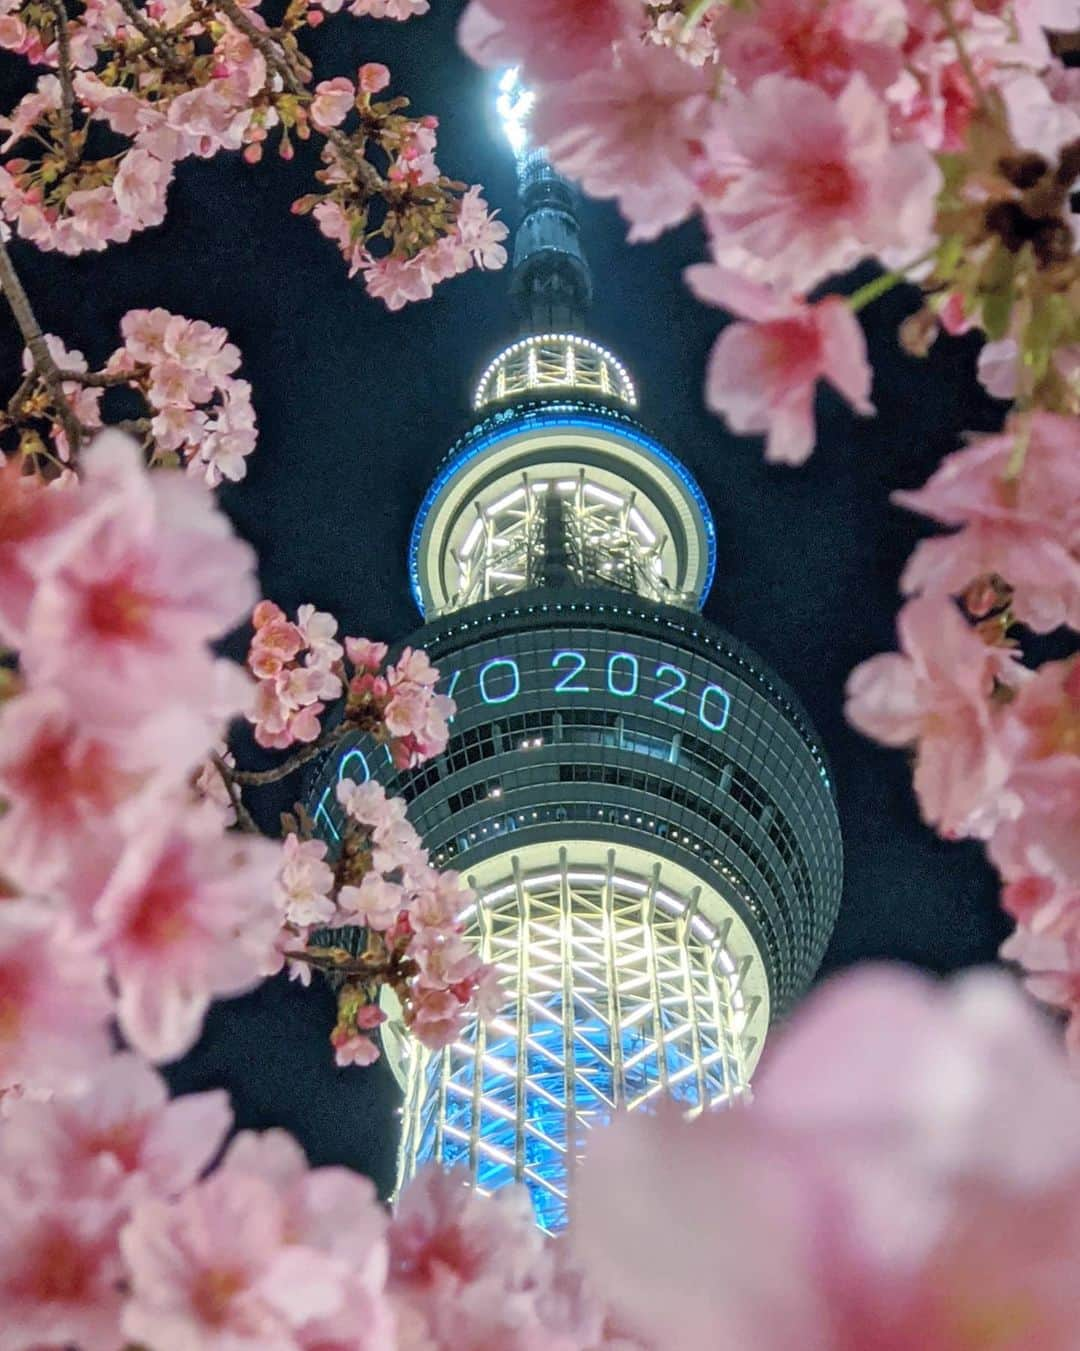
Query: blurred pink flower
pixel 121 1129
pixel 54 1007
pixel 908 1177
pixel 1023 526
pixel 32 516
pixel 823 186
pixel 634 131
pixel 822 43
pixel 186 917
pixel 122 620
pixel 549 39
pixel 764 370
pixel 935 695
pixel 61 1276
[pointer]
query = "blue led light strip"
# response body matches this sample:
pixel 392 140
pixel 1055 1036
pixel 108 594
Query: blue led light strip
pixel 531 421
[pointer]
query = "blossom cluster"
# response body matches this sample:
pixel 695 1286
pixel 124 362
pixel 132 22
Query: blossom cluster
pixel 195 410
pixel 129 901
pixel 431 236
pixel 865 1201
pixel 194 78
pixel 809 136
pixel 997 746
pixel 290 692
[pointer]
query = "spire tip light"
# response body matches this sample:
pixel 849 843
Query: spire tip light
pixel 514 104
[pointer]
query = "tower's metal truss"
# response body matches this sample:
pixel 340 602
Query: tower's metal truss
pixel 605 539
pixel 554 361
pixel 619 992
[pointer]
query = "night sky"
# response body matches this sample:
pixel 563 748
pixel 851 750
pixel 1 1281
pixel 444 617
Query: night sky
pixel 356 406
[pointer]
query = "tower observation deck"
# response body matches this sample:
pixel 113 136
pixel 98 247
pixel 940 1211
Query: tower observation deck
pixel 640 805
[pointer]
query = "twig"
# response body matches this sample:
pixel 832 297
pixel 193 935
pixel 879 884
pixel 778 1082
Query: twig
pixel 32 335
pixel 277 59
pixel 880 285
pixel 257 778
pixel 243 816
pixel 67 90
pixel 97 379
pixel 155 37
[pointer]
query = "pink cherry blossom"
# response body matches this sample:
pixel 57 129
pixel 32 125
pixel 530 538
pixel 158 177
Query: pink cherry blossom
pixel 54 1006
pixel 824 44
pixel 824 187
pixel 764 370
pixel 305 881
pixel 61 1273
pixel 479 234
pixel 333 102
pixel 185 917
pixel 214 1270
pixel 122 620
pixel 930 1206
pixel 397 282
pixel 121 1129
pixel 375 903
pixel 364 654
pixel 633 131
pixel 936 696
pixel 550 39
pixel 1024 526
pixel 372 77
pixel 31 517
pixel 355 1050
pixel 435 1017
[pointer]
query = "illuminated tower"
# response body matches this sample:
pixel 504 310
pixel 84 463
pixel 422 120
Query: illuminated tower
pixel 640 804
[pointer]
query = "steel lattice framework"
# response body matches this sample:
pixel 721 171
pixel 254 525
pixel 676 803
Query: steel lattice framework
pixel 619 992
pixel 603 537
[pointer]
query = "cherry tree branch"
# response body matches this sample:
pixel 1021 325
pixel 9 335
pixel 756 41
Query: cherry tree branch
pixel 46 367
pixel 257 778
pixel 277 59
pixel 67 89
pixel 243 816
pixel 157 39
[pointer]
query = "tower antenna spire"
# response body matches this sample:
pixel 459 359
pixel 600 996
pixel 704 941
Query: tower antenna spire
pixel 551 282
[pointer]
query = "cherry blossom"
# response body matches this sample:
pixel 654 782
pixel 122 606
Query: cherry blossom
pixel 1020 523
pixel 764 369
pixel 305 881
pixel 824 44
pixel 824 186
pixel 550 39
pixel 122 618
pixel 121 1131
pixel 186 917
pixel 53 1002
pixel 289 698
pixel 937 697
pixel 32 516
pixel 892 1187
pixel 632 130
pixel 334 100
pixel 60 1270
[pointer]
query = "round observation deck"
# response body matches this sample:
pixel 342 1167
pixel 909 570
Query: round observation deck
pixel 630 514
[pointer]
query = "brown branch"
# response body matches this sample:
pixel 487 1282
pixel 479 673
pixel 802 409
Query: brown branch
pixel 67 89
pixel 156 39
pixel 257 778
pixel 243 816
pixel 350 966
pixel 97 379
pixel 277 59
pixel 32 335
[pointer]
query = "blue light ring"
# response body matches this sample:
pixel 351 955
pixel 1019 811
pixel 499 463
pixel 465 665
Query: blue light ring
pixel 473 448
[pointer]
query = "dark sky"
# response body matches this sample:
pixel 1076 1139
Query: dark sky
pixel 356 406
